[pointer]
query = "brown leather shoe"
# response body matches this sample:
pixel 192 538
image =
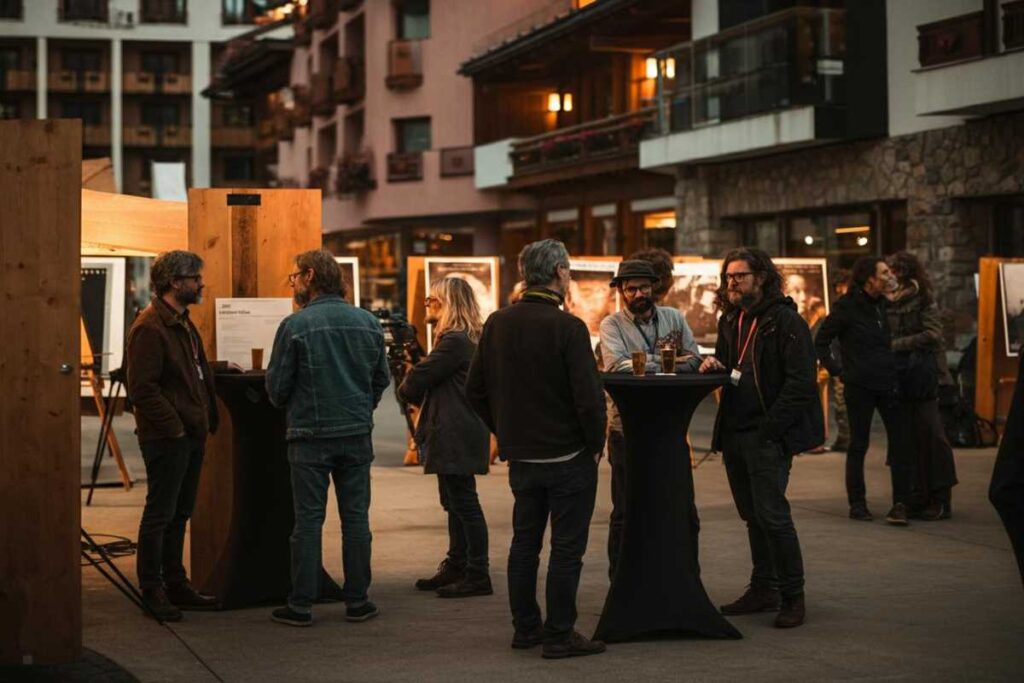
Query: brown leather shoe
pixel 447 573
pixel 157 604
pixel 792 613
pixel 754 600
pixel 576 645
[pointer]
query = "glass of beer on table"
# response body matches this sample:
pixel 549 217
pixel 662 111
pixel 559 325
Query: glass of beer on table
pixel 639 363
pixel 668 360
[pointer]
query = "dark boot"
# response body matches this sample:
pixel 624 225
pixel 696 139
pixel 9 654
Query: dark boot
pixel 447 572
pixel 185 597
pixel 156 600
pixel 936 510
pixel 754 600
pixel 468 587
pixel 860 512
pixel 792 613
pixel 897 515
pixel 524 640
pixel 576 645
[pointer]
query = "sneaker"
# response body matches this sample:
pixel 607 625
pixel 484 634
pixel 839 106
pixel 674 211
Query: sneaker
pixel 859 511
pixel 792 613
pixel 185 597
pixel 576 645
pixel 286 615
pixel 897 515
pixel 363 612
pixel 524 640
pixel 466 588
pixel 157 604
pixel 447 572
pixel 753 600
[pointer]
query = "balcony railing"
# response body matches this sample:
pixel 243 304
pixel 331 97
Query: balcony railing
pixel 321 97
pixel 405 65
pixel 227 136
pixel 65 80
pixel 404 166
pixel 456 161
pixel 163 12
pixel 139 83
pixel 347 83
pixel 145 82
pixel 17 79
pixel 323 13
pixel 154 136
pixel 787 59
pixel 174 84
pixel 96 135
pixel 83 10
pixel 1013 24
pixel 355 174
pixel 952 40
pixel 139 136
pixel 615 136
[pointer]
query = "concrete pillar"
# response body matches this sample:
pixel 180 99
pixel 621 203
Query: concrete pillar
pixel 200 114
pixel 42 77
pixel 116 113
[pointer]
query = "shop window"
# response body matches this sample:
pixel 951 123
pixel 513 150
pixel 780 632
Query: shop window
pixel 412 135
pixel 841 238
pixel 1008 233
pixel 239 168
pixel 413 19
pixel 763 234
pixel 443 242
pixel 86 110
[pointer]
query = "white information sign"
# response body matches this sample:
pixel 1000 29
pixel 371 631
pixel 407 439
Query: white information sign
pixel 247 324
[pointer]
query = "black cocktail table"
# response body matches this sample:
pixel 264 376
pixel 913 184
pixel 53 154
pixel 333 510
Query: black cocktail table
pixel 657 591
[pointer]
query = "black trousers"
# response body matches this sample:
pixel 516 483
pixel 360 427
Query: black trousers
pixel 565 492
pixel 172 479
pixel 467 528
pixel 758 475
pixel 861 404
pixel 617 459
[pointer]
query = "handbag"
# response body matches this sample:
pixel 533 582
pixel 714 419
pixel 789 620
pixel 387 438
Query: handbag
pixel 918 375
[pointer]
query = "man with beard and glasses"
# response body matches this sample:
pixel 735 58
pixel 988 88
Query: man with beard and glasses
pixel 770 411
pixel 171 387
pixel 640 326
pixel 328 370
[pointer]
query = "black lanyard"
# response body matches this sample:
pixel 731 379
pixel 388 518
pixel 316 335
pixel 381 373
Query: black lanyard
pixel 650 344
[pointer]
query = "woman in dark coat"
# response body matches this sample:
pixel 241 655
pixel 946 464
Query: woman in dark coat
pixel 917 342
pixel 452 441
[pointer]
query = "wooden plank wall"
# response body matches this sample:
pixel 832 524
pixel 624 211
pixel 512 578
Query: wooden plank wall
pixel 248 251
pixel 40 428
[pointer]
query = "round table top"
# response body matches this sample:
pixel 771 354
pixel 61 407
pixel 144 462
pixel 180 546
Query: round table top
pixel 682 379
pixel 248 376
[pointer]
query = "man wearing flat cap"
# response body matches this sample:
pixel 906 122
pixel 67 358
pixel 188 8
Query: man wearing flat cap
pixel 639 326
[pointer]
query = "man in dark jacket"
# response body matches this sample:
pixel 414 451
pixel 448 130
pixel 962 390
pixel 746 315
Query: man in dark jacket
pixel 1006 491
pixel 534 382
pixel 171 387
pixel 868 372
pixel 328 369
pixel 769 412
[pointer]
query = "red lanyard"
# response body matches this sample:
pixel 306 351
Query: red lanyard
pixel 750 335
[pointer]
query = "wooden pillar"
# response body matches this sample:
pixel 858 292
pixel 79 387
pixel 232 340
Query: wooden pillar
pixel 40 424
pixel 248 240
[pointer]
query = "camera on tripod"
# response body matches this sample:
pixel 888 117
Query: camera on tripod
pixel 404 351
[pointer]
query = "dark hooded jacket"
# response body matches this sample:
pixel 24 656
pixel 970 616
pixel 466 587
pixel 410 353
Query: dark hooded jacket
pixel 861 325
pixel 784 371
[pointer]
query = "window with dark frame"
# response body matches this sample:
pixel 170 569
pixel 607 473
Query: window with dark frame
pixel 9 110
pixel 79 59
pixel 88 111
pixel 160 114
pixel 241 11
pixel 161 62
pixel 164 11
pixel 237 116
pixel 83 10
pixel 10 58
pixel 11 9
pixel 239 168
pixel 412 135
pixel 413 19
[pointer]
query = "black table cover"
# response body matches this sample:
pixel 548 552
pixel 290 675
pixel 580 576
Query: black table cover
pixel 657 591
pixel 255 566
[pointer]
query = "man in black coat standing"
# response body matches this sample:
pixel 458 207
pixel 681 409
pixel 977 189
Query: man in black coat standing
pixel 534 382
pixel 769 412
pixel 1007 488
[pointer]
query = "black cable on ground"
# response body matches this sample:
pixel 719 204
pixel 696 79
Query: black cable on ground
pixel 119 547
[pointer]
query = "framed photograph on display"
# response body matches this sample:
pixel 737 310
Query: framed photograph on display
pixel 693 293
pixel 590 298
pixel 103 310
pixel 1011 276
pixel 481 272
pixel 805 280
pixel 350 274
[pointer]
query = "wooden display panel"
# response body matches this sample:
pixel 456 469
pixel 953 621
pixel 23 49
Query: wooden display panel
pixel 40 427
pixel 997 372
pixel 248 250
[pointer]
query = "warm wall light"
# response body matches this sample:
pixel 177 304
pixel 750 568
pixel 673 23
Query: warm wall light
pixel 554 102
pixel 567 101
pixel 670 67
pixel 651 68
pixel 660 220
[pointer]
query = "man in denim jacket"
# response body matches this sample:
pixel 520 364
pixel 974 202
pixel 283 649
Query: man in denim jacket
pixel 328 370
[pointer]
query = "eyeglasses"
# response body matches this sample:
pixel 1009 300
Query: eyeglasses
pixel 736 277
pixel 197 278
pixel 431 300
pixel 293 276
pixel 633 291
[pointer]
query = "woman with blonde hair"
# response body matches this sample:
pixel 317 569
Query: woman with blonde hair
pixel 453 442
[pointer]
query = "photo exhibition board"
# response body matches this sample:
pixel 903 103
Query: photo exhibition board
pixel 350 274
pixel 589 297
pixel 103 310
pixel 1011 276
pixel 693 292
pixel 481 272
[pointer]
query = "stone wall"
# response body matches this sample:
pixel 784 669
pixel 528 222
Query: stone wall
pixel 932 171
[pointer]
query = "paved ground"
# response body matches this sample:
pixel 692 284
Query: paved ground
pixel 939 601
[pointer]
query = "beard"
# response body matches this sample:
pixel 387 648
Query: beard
pixel 640 305
pixel 189 297
pixel 301 297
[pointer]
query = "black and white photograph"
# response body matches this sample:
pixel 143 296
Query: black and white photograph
pixel 103 308
pixel 589 297
pixel 805 280
pixel 1011 277
pixel 693 292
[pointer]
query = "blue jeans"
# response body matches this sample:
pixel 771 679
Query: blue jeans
pixel 313 463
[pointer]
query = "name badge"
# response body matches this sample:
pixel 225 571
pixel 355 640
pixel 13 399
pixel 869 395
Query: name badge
pixel 734 376
pixel 199 371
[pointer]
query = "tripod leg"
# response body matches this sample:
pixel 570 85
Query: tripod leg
pixel 107 559
pixel 101 445
pixel 109 577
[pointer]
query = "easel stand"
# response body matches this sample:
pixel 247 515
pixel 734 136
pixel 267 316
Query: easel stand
pixel 105 410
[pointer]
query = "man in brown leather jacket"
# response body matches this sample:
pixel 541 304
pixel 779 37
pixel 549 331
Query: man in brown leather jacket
pixel 171 387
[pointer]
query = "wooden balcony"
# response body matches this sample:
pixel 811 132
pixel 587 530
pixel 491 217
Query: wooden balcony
pixel 15 80
pixel 139 136
pixel 456 161
pixel 1013 25
pixel 139 83
pixel 607 145
pixel 176 136
pixel 94 81
pixel 405 65
pixel 233 137
pixel 323 13
pixel 321 97
pixel 174 84
pixel 952 40
pixel 355 174
pixel 347 83
pixel 405 166
pixel 62 80
pixel 96 136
